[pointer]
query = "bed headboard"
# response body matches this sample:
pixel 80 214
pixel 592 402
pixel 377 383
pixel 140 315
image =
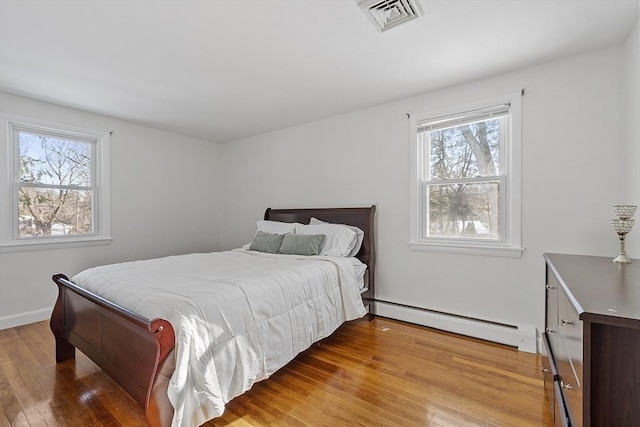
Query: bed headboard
pixel 359 217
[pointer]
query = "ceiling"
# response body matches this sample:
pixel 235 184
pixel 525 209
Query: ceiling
pixel 226 69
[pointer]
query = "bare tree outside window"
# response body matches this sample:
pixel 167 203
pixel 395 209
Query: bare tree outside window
pixel 463 183
pixel 55 186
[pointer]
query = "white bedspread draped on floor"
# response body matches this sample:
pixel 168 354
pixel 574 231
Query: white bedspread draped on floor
pixel 238 316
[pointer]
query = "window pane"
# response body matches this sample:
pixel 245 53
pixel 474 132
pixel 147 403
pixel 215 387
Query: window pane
pixel 54 161
pixel 466 151
pixel 54 212
pixel 464 210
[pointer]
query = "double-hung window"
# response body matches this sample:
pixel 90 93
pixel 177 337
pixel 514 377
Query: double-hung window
pixel 57 186
pixel 465 190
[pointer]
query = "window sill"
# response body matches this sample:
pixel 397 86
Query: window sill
pixel 463 249
pixel 61 243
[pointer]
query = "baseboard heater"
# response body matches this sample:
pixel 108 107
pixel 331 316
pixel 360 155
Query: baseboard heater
pixel 521 336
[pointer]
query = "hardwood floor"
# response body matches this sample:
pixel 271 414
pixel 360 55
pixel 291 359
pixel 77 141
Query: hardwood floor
pixel 379 373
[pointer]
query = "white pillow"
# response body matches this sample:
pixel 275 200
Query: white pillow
pixel 340 240
pixel 359 234
pixel 276 227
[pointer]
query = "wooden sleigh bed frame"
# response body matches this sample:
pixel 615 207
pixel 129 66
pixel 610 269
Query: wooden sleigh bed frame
pixel 133 350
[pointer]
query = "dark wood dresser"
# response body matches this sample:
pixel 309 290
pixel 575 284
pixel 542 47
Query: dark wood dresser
pixel 591 344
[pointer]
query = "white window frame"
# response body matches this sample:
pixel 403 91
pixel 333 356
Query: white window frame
pixel 10 125
pixel 509 245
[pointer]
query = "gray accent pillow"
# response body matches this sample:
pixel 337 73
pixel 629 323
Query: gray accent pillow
pixel 266 242
pixel 302 244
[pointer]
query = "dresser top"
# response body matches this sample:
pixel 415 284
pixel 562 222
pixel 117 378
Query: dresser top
pixel 598 286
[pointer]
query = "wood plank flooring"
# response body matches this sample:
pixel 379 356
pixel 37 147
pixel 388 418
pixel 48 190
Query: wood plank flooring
pixel 379 373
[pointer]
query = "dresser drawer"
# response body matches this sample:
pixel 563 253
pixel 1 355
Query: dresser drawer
pixel 549 374
pixel 551 311
pixel 551 308
pixel 569 357
pixel 560 418
pixel 548 361
pixel 570 387
pixel 570 333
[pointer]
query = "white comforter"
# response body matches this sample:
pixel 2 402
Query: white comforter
pixel 238 316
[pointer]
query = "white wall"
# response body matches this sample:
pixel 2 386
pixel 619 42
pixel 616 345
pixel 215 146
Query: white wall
pixel 163 201
pixel 632 153
pixel 574 129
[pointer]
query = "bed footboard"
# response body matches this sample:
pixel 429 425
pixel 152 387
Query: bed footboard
pixel 128 347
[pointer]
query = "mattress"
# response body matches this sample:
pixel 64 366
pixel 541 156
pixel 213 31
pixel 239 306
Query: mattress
pixel 238 315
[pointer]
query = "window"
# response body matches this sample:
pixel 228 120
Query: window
pixel 465 191
pixel 57 183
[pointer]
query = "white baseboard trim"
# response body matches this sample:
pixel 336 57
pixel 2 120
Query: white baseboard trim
pixel 14 320
pixel 521 336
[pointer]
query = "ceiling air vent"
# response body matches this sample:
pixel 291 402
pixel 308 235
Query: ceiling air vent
pixel 385 14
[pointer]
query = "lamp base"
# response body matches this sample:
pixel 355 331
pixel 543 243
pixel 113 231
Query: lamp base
pixel 622 259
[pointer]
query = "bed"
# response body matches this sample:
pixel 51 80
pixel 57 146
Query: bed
pixel 140 352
